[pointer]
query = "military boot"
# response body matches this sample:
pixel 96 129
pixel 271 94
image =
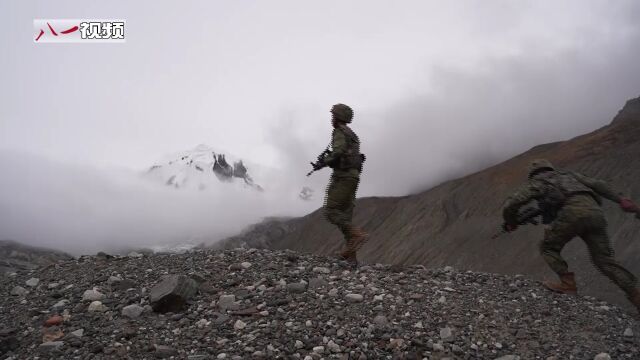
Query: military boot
pixel 634 297
pixel 359 237
pixel 348 253
pixel 567 284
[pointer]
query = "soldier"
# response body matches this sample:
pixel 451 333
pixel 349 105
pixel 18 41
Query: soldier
pixel 571 206
pixel 346 161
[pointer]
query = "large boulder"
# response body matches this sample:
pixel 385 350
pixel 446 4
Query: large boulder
pixel 172 293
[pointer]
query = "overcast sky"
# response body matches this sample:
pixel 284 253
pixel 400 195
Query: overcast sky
pixel 439 88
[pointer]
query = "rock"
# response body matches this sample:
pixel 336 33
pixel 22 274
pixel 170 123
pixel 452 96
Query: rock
pixel 122 285
pixel 509 357
pixel 446 334
pixel 33 282
pixel 333 347
pixel 299 344
pixel 602 356
pixel 321 270
pixel 381 320
pixel 132 311
pixel 438 347
pixel 78 333
pixel 172 293
pixel 164 352
pixel 227 302
pixel 297 287
pixel 628 332
pixel 354 298
pixel 245 265
pixel 317 283
pixel 97 306
pixel 50 346
pixel 92 295
pixel 135 255
pixel 19 291
pixel 239 325
pixel 61 304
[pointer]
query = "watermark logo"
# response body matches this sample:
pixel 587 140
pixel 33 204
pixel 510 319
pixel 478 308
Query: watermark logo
pixel 78 31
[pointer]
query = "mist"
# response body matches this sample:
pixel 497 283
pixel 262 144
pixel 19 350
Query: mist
pixel 81 210
pixel 472 120
pixel 439 90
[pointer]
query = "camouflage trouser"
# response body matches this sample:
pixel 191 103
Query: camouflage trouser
pixel 339 202
pixel 589 223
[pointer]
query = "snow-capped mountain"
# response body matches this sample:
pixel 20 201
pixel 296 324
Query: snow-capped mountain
pixel 201 168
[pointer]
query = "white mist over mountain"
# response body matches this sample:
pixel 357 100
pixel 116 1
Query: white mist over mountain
pixel 80 209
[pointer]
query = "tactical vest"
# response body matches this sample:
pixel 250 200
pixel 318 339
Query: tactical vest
pixel 352 158
pixel 558 186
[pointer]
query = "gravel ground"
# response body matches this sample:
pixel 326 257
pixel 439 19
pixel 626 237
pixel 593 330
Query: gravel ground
pixel 279 304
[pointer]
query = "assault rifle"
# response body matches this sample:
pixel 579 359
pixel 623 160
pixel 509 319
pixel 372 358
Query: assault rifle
pixel 319 164
pixel 526 216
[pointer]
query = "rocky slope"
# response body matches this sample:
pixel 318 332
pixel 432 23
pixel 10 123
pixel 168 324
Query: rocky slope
pixel 15 256
pixel 281 304
pixel 452 224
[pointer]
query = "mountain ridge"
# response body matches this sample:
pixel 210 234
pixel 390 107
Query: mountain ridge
pixel 452 223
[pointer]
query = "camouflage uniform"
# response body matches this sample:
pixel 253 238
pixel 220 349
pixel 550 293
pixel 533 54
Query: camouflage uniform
pixel 346 161
pixel 572 203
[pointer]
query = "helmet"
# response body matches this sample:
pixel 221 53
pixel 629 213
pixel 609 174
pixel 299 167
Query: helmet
pixel 540 165
pixel 342 113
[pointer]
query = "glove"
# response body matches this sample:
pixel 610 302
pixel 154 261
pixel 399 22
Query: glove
pixel 628 206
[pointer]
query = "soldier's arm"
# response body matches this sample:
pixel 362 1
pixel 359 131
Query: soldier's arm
pixel 338 147
pixel 518 199
pixel 601 187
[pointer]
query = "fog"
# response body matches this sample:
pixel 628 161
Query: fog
pixel 81 209
pixel 439 89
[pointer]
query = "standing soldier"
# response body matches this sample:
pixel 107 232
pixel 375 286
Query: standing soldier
pixel 571 206
pixel 346 161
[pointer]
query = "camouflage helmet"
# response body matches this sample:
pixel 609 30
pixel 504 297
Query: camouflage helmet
pixel 539 165
pixel 342 113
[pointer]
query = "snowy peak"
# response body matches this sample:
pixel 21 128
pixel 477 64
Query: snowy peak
pixel 201 168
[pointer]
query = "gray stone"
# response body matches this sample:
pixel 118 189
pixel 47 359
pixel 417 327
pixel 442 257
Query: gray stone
pixel 122 285
pixel 19 291
pixel 49 346
pixel 317 283
pixel 297 287
pixel 446 334
pixel 602 356
pixel 321 270
pixel 381 320
pixel 227 302
pixel 509 357
pixel 171 293
pixel 33 282
pixel 132 311
pixel 164 352
pixel 78 333
pixel 628 332
pixel 92 295
pixel 354 298
pixel 97 306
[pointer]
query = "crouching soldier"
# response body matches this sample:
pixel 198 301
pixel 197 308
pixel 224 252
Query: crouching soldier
pixel 571 206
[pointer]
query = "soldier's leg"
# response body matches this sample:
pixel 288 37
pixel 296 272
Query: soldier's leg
pixel 339 199
pixel 555 238
pixel 602 255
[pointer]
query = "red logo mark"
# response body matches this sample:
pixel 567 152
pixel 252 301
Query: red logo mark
pixel 68 31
